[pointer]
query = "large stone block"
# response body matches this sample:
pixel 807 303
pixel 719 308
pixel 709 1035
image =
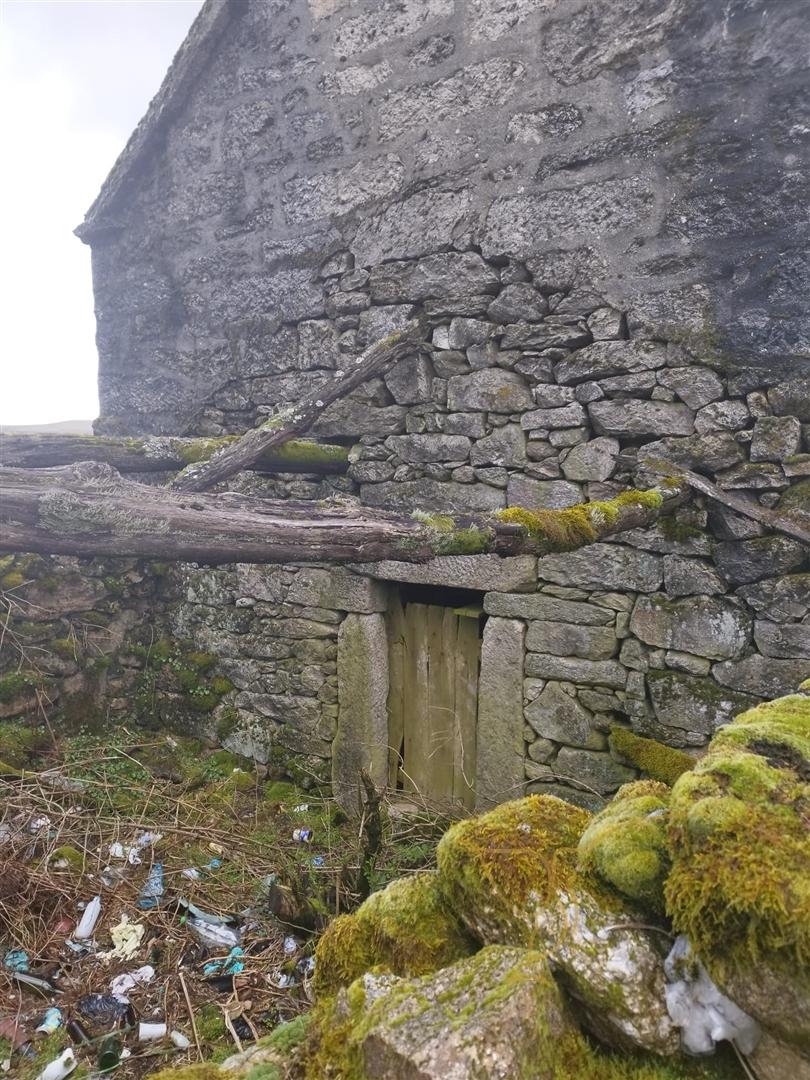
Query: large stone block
pixel 337 588
pixel 546 494
pixel 557 715
pixel 603 566
pixel 411 380
pixel 690 577
pixel 349 417
pixel 711 626
pixel 480 572
pixel 520 224
pixel 519 302
pixel 307 198
pixel 765 676
pixel 490 390
pixel 636 418
pixel 591 769
pixel 776 438
pixel 594 460
pixel 566 669
pixel 546 608
pixel 566 639
pixel 410 227
pixel 386 22
pixel 780 599
pixel 788 640
pixel 500 750
pixel 746 561
pixel 706 453
pixel 792 398
pixel 607 358
pixel 361 741
pixel 567 416
pixel 424 448
pixel 505 446
pixel 693 703
pixel 695 386
pixel 479 86
pixel 446 274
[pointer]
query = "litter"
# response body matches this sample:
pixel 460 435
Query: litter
pixel 87 923
pixel 35 983
pixel 291 945
pixel 51 1021
pixel 232 964
pixel 318 861
pixel 126 938
pixel 302 836
pixel 204 916
pixel 78 1032
pixel 151 1031
pixel 60 1067
pixel 179 1040
pixel 109 1053
pixel 16 960
pixel 301 808
pixel 194 873
pixel 212 934
pixel 152 890
pixel 105 1009
pixel 123 984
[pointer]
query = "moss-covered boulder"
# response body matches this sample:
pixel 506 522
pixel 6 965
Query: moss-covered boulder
pixel 512 877
pixel 739 885
pixel 498 1014
pixel 405 929
pixel 626 844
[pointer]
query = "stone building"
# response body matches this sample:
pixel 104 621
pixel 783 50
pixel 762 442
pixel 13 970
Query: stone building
pixel 601 208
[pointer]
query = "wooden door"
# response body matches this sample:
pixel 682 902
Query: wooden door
pixel 433 701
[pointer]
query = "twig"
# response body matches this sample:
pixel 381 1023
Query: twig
pixel 191 1014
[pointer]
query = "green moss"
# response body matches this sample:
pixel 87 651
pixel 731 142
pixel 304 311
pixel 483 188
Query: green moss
pixel 565 530
pixel 298 453
pixel 227 722
pixel 20 743
pixel 200 661
pixel 210 1023
pixel 405 929
pixel 512 859
pixel 18 683
pixel 469 541
pixel 796 497
pixel 265 1070
pixel 740 845
pixel 70 856
pixel 287 1036
pixel 626 844
pixel 658 761
pixel 65 647
pixel 13 580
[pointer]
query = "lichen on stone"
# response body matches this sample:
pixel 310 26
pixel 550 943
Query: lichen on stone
pixel 626 846
pixel 658 761
pixel 739 886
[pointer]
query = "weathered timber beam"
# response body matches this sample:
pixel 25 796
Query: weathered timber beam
pixel 88 509
pixel 795 524
pixel 161 453
pixel 300 417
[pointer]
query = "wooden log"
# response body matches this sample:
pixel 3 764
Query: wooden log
pixel 300 417
pixel 89 509
pixel 163 453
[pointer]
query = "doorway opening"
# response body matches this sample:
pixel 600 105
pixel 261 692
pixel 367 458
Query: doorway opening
pixel 434 636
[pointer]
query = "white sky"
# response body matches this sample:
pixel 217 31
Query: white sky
pixel 75 78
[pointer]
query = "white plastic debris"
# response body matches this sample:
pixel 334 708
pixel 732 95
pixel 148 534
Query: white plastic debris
pixel 151 1031
pixel 117 850
pixel 60 1067
pixel 180 1040
pixel 121 985
pixel 209 934
pixel 702 1012
pixel 126 938
pixel 87 923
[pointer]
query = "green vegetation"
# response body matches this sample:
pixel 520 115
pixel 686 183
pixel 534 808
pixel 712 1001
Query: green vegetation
pixel 564 530
pixel 658 761
pixel 626 844
pixel 739 841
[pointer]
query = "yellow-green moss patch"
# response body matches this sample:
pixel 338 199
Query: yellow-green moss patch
pixel 658 761
pixel 739 885
pixel 626 844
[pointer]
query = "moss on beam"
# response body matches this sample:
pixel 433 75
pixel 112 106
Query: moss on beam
pixel 297 455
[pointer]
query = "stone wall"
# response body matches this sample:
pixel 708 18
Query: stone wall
pixel 599 209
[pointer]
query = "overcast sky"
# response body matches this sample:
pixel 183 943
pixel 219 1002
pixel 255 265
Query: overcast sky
pixel 75 78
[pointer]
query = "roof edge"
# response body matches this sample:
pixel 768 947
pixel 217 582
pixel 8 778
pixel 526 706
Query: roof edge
pixel 189 61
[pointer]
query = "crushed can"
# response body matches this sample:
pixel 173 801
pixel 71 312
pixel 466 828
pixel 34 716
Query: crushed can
pixel 302 836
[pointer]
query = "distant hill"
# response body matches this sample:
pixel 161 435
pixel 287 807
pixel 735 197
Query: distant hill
pixel 62 427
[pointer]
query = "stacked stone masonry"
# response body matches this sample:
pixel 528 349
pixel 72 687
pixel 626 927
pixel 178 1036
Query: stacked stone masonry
pixel 609 257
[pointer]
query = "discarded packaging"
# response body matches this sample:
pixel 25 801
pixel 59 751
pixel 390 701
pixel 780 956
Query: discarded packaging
pixel 151 1031
pixel 51 1021
pixel 105 1009
pixel 205 916
pixel 60 1067
pixel 232 964
pixel 301 808
pixel 123 984
pixel 213 935
pixel 152 890
pixel 306 966
pixel 302 836
pixel 87 923
pixel 35 983
pixel 16 960
pixel 126 938
pixel 318 861
pixel 179 1040
pixel 290 945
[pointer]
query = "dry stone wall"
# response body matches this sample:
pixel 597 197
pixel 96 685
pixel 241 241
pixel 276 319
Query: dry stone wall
pixel 599 209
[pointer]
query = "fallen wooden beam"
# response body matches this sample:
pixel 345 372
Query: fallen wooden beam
pixel 89 509
pixel 300 417
pixel 163 453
